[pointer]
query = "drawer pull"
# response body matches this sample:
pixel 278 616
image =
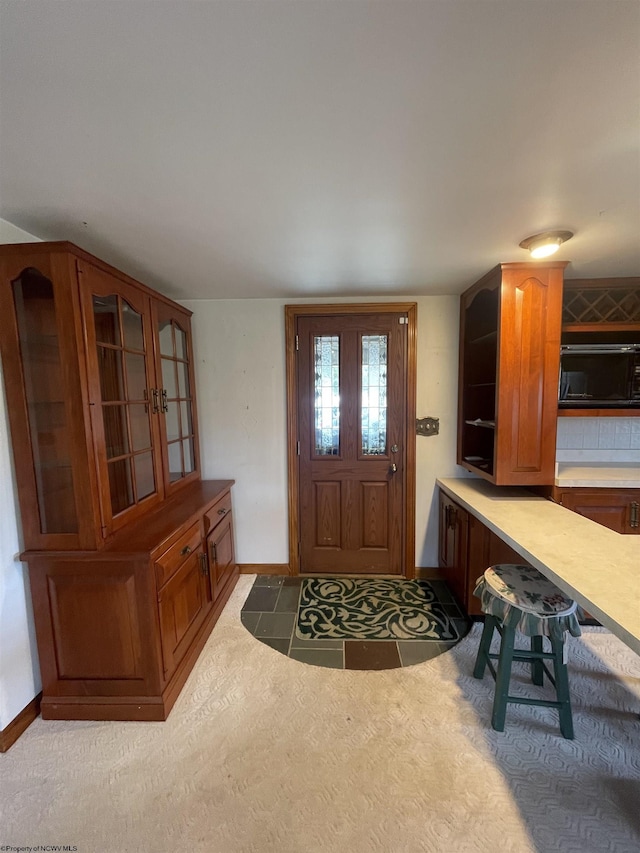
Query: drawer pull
pixel 222 511
pixel 186 550
pixel 635 514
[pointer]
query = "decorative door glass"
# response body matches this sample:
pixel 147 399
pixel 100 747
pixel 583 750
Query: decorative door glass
pixel 177 399
pixel 374 395
pixel 122 366
pixel 45 397
pixel 326 355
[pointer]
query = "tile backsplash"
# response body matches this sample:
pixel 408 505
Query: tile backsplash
pixel 598 440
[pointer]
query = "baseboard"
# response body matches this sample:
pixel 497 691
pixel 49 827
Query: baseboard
pixel 429 573
pixel 19 724
pixel 264 568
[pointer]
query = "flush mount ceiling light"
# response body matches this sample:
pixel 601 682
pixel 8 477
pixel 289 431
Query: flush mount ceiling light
pixel 545 244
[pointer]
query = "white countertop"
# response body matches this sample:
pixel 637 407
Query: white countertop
pixel 600 569
pixel 599 474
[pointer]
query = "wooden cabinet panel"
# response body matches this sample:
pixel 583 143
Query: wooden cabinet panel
pixel 454 527
pixel 467 548
pixel 617 509
pixel 183 603
pixel 221 554
pixel 172 559
pixel 95 625
pixel 510 323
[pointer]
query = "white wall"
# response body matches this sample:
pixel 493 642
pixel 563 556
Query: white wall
pixel 240 369
pixel 19 671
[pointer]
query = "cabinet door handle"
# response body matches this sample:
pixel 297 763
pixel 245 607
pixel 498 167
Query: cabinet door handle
pixel 155 408
pixel 634 520
pixel 214 553
pixel 163 394
pixel 186 550
pixel 204 567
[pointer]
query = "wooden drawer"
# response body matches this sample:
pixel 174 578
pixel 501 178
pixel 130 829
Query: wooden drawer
pixel 175 556
pixel 217 512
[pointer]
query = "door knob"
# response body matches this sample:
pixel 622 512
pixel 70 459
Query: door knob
pixel 393 468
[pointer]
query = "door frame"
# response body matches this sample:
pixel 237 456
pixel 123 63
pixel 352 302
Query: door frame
pixel 292 312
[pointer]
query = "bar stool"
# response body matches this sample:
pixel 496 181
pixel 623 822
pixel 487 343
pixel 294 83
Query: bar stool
pixel 521 598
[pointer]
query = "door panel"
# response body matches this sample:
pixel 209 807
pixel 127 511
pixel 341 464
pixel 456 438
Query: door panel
pixel 352 399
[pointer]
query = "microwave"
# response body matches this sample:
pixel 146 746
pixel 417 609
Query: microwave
pixel 599 376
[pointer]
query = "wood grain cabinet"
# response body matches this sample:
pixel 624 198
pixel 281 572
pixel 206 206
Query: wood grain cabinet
pixel 617 509
pixel 100 391
pixel 466 548
pixel 510 325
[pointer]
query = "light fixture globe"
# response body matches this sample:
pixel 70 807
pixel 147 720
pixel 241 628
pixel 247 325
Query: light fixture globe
pixel 545 244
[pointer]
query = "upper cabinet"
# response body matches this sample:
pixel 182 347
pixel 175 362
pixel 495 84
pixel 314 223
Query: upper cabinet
pixel 99 384
pixel 601 305
pixel 510 325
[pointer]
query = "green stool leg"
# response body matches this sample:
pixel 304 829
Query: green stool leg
pixel 537 667
pixel 562 688
pixel 485 644
pixel 503 676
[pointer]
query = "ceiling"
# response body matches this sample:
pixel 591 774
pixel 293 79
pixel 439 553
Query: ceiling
pixel 281 148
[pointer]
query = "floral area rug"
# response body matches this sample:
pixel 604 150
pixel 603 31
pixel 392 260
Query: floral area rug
pixel 372 609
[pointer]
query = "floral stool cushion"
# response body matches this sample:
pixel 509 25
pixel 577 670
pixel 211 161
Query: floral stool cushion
pixel 523 598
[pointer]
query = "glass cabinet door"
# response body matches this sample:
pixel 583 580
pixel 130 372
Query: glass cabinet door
pixel 121 344
pixel 178 426
pixel 47 410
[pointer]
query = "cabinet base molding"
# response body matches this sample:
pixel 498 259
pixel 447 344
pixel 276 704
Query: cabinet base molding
pixel 19 724
pixel 139 708
pixel 264 569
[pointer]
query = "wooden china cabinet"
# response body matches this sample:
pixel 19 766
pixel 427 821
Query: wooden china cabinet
pixel 116 520
pixel 510 325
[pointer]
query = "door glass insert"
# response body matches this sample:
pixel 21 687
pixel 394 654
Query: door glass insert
pixel 165 333
pixel 106 319
pixel 178 400
pixel 326 360
pixel 120 485
pixel 132 327
pixel 169 382
pixel 44 388
pixel 126 413
pixel 187 450
pixel 374 395
pixel 136 376
pixel 111 378
pixel 140 430
pixel 116 438
pixel 145 480
pixel 181 343
pixel 173 424
pixel 175 462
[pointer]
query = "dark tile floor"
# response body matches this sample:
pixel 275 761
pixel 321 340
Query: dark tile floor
pixel 269 613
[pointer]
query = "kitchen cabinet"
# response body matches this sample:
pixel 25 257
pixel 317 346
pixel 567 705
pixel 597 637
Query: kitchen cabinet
pixel 466 549
pixel 510 324
pixel 617 509
pixel 117 523
pixel 601 305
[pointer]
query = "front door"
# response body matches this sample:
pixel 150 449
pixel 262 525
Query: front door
pixel 351 372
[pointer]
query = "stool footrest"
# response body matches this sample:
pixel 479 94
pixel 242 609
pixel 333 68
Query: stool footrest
pixel 523 700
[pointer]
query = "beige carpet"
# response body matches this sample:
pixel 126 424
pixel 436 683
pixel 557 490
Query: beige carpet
pixel 263 753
